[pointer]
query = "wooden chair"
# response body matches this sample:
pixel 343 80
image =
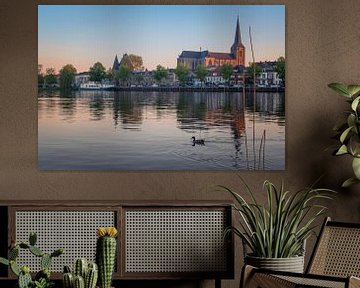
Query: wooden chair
pixel 334 263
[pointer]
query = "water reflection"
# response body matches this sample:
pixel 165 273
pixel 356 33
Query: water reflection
pixel 157 126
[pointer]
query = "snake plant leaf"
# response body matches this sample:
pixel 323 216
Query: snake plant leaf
pixel 342 150
pixel 353 89
pixel 355 103
pixel 341 89
pixel 356 167
pixel 345 134
pixel 349 182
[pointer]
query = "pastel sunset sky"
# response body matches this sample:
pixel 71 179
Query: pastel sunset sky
pixel 84 34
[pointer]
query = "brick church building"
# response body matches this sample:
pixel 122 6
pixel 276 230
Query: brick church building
pixel 236 57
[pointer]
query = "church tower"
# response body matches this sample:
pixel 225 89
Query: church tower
pixel 238 49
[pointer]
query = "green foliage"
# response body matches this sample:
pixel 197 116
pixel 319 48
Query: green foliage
pixel 139 78
pixel 43 283
pixel 123 74
pixel 226 71
pixel 279 229
pixel 50 77
pixel 349 131
pixel 181 72
pixel 201 72
pixel 97 72
pixel 42 278
pixel 67 76
pixel 85 274
pixel 160 73
pixel 250 71
pixel 280 69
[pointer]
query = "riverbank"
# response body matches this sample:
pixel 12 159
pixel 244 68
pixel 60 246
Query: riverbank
pixel 184 89
pixel 199 89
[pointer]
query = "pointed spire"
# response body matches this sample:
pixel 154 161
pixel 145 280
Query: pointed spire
pixel 116 64
pixel 237 40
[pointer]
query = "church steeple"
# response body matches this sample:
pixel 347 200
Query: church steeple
pixel 237 40
pixel 238 49
pixel 116 64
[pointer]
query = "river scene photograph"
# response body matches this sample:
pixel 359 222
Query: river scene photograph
pixel 161 87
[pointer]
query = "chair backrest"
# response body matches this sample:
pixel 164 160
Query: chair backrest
pixel 337 251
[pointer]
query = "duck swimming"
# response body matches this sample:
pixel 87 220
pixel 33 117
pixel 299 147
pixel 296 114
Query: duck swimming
pixel 197 141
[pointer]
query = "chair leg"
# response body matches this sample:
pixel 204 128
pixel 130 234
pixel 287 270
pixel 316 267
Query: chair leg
pixel 251 279
pixel 246 273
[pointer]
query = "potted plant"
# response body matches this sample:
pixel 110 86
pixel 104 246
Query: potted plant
pixel 349 132
pixel 276 233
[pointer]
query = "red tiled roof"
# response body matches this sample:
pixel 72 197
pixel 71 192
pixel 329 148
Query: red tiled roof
pixel 224 56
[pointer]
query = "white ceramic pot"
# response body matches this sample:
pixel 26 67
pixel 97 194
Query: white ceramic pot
pixel 291 264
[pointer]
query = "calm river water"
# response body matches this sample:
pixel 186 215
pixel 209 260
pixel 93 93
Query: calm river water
pixel 100 130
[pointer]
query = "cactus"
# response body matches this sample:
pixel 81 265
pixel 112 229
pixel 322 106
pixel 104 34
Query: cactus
pixel 105 254
pixel 36 251
pixel 90 272
pixel 91 276
pixel 68 280
pixel 80 267
pixel 13 253
pixel 45 261
pixel 24 278
pixel 32 239
pixel 79 282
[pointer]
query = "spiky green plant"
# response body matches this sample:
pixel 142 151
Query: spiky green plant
pixel 42 278
pixel 84 273
pixel 279 229
pixel 349 132
pixel 106 254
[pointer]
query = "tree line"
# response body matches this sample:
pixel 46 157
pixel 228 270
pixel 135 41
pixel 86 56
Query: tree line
pixel 129 63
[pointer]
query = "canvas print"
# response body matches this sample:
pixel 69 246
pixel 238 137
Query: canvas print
pixel 161 87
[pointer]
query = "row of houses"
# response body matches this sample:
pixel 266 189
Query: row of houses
pixel 267 78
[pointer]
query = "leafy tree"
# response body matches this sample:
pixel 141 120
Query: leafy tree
pixel 132 62
pixel 250 71
pixel 201 72
pixel 226 71
pixel 160 73
pixel 280 69
pixel 181 72
pixel 123 74
pixel 67 76
pixel 139 78
pixel 50 77
pixel 109 75
pixel 97 72
pixel 136 62
pixel 40 75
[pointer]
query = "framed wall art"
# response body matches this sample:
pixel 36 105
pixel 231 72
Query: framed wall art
pixel 161 87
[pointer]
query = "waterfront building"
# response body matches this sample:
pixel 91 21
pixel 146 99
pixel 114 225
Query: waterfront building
pixel 81 78
pixel 268 77
pixel 235 58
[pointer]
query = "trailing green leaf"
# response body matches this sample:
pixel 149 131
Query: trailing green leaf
pixel 340 88
pixel 349 132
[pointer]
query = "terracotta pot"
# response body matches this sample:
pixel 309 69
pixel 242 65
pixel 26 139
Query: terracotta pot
pixel 291 264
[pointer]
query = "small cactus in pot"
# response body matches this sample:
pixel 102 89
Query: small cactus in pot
pixel 106 254
pixel 85 275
